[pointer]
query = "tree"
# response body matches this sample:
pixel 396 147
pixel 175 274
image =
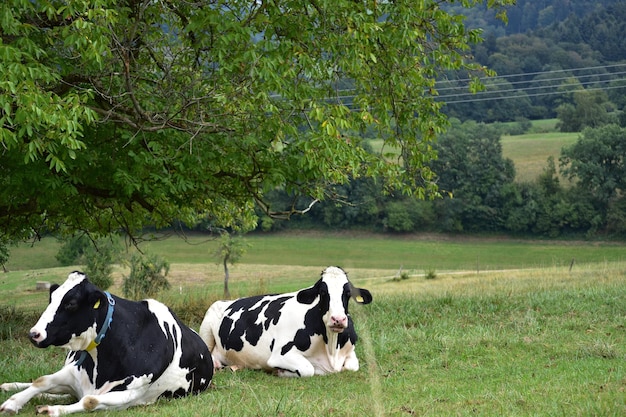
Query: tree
pixel 4 254
pixel 598 162
pixel 589 110
pixel 121 114
pixel 471 167
pixel 230 250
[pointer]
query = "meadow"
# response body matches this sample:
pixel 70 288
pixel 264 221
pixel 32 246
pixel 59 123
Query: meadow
pixel 499 328
pixel 529 151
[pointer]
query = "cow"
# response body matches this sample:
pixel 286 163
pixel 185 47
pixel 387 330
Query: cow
pixel 122 353
pixel 299 334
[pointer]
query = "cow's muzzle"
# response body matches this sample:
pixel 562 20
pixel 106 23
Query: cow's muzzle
pixel 36 338
pixel 337 329
pixel 338 323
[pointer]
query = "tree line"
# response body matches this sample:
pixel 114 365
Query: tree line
pixel 480 193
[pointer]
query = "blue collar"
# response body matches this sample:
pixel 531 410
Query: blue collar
pixel 105 326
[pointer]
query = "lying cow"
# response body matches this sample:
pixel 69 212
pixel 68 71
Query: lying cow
pixel 122 353
pixel 304 333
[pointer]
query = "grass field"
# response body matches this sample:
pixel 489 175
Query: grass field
pixel 359 250
pixel 542 341
pixel 529 152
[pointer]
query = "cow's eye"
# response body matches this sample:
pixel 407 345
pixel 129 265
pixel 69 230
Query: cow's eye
pixel 71 306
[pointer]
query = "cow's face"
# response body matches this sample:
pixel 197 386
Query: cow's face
pixel 70 318
pixel 334 291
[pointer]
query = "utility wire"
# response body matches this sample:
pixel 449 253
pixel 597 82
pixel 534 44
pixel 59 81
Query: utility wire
pixel 525 74
pixel 524 89
pixel 545 80
pixel 474 96
pixel 347 99
pixel 536 94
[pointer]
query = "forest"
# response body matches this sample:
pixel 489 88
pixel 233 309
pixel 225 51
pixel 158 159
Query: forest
pixel 560 59
pixel 540 68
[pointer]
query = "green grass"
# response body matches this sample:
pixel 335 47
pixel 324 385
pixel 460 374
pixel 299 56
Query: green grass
pixel 530 152
pixel 544 125
pixel 356 250
pixel 548 342
pixel 544 341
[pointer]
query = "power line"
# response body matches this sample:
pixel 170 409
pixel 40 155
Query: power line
pixel 348 99
pixel 536 95
pixel 543 87
pixel 516 94
pixel 498 77
pixel 524 74
pixel 523 92
pixel 545 80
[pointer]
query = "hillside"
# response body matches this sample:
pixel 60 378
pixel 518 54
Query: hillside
pixel 528 15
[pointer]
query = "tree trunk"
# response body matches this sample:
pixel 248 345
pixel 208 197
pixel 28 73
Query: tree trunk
pixel 226 290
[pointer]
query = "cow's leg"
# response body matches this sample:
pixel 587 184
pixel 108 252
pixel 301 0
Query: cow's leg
pixel 14 386
pixel 352 362
pixel 291 365
pixel 112 400
pixel 56 383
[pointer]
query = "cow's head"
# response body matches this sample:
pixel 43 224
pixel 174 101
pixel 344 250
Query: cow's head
pixel 70 318
pixel 334 291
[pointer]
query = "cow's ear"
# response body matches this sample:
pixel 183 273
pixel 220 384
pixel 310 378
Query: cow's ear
pixel 53 287
pixel 97 299
pixel 361 295
pixel 308 295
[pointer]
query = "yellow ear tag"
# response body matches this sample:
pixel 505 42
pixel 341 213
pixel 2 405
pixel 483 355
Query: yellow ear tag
pixel 96 305
pixel 359 299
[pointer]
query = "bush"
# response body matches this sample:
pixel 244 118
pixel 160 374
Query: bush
pixel 147 277
pixel 408 215
pixel 191 307
pixel 96 256
pixel 402 276
pixel 99 260
pixel 430 274
pixel 72 250
pixel 14 324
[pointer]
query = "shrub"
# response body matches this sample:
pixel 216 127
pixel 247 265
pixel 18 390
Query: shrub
pixel 402 276
pixel 147 276
pixel 15 323
pixel 99 259
pixel 72 249
pixel 191 307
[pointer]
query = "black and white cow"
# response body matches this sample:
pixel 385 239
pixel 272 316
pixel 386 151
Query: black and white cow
pixel 304 333
pixel 122 353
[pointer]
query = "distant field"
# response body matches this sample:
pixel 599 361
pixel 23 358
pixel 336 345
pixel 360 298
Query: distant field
pixel 360 250
pixel 529 152
pixel 278 262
